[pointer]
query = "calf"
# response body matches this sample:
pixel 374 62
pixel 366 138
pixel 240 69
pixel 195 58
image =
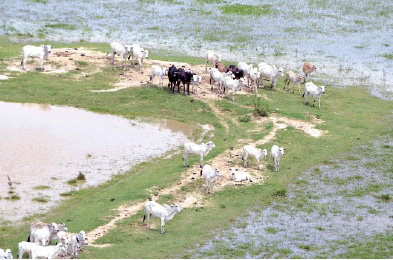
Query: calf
pixel 48 252
pixel 164 212
pixel 239 176
pixel 213 58
pixel 234 84
pixel 294 78
pixel 315 91
pixel 197 149
pixel 196 80
pixel 257 153
pixel 254 78
pixel 159 72
pixel 41 52
pixel 210 176
pixel 308 69
pixel 121 50
pixel 5 254
pixel 276 152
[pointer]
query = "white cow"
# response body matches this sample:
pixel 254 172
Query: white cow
pixel 77 242
pixel 234 85
pixel 5 254
pixel 315 91
pixel 271 72
pixel 121 50
pixel 276 152
pixel 254 77
pixel 25 247
pixel 257 153
pixel 139 54
pixel 41 52
pixel 210 176
pixel 247 68
pixel 197 149
pixel 48 252
pixel 294 78
pixel 213 58
pixel 160 72
pixel 42 233
pixel 217 76
pixel 164 212
pixel 239 176
pixel 196 80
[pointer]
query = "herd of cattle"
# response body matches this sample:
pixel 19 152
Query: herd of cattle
pixel 233 77
pixel 228 78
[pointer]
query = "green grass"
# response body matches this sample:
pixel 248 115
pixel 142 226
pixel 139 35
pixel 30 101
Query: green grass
pixel 388 56
pixel 255 10
pixel 40 199
pixel 61 26
pixel 366 117
pixel 42 187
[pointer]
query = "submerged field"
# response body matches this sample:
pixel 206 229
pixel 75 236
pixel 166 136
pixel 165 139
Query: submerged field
pixel 348 119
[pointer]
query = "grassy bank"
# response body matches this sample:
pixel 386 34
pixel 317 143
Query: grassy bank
pixel 351 118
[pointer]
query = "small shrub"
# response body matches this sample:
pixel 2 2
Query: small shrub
pixel 66 194
pixel 259 109
pixel 42 187
pixel 15 197
pixel 81 177
pixel 40 199
pixel 280 193
pixel 385 197
pixel 244 119
pixel 72 182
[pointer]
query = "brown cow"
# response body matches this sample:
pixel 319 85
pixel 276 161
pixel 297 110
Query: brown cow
pixel 221 67
pixel 307 69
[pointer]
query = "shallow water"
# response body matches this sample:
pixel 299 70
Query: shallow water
pixel 49 145
pixel 325 212
pixel 346 40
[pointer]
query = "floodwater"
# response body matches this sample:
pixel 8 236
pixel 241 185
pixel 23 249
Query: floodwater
pixel 329 208
pixel 44 145
pixel 349 41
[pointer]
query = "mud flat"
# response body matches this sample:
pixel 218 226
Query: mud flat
pixel 43 147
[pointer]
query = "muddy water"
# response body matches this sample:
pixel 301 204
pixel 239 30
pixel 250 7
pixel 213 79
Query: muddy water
pixel 49 145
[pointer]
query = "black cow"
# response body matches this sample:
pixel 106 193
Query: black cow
pixel 238 73
pixel 173 75
pixel 185 78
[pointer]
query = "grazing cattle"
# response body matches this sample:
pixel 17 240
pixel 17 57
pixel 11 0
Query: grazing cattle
pixel 41 52
pixel 247 68
pixel 77 242
pixel 210 176
pixel 164 212
pixel 271 72
pixel 234 84
pixel 5 254
pixel 42 233
pixel 254 78
pixel 196 80
pixel 315 91
pixel 239 176
pixel 174 79
pixel 185 77
pixel 276 152
pixel 48 252
pixel 294 78
pixel 122 50
pixel 217 76
pixel 221 67
pixel 25 247
pixel 257 153
pixel 160 72
pixel 202 149
pixel 213 58
pixel 308 69
pixel 139 53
